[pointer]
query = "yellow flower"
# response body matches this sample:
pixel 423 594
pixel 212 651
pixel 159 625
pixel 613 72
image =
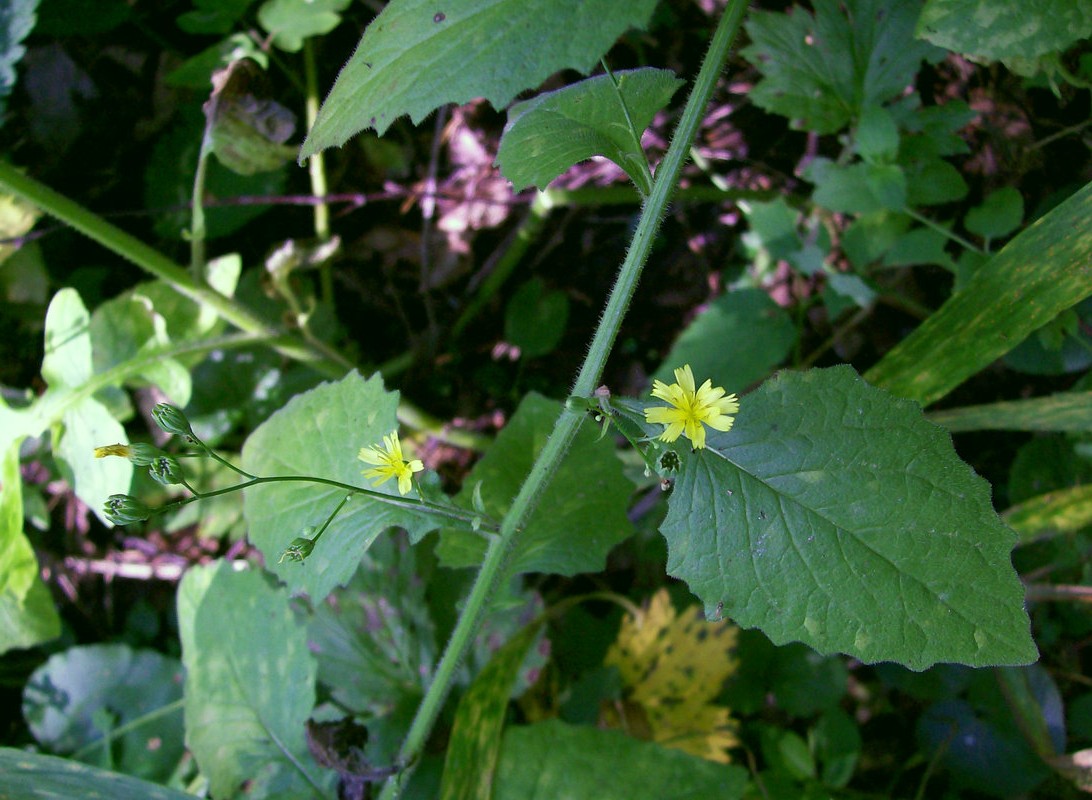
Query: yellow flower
pixel 390 464
pixel 691 407
pixel 122 450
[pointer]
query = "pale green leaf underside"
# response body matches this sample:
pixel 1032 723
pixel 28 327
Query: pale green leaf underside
pixel 552 760
pixel 418 55
pixel 32 775
pixel 1000 29
pixel 549 133
pixel 834 515
pixel 1040 273
pixel 250 681
pixel 319 433
pixel 1068 411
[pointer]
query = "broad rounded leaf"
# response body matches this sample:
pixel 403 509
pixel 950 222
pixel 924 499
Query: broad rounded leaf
pixel 415 57
pixel 319 433
pixel 250 682
pixel 835 515
pixel 549 133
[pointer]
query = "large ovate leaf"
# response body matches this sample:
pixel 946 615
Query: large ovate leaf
pixel 822 71
pixel 549 133
pixel 66 699
pixel 474 747
pixel 319 433
pixel 32 776
pixel 1001 29
pixel 27 615
pixel 833 514
pixel 416 56
pixel 250 682
pixel 552 760
pixel 1043 271
pixel 582 513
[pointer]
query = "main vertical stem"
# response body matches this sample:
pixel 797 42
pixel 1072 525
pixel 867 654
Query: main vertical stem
pixel 568 423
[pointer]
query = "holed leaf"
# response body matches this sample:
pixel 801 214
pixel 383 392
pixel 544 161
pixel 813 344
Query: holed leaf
pixel 549 133
pixel 250 682
pixel 414 57
pixel 835 515
pixel 319 433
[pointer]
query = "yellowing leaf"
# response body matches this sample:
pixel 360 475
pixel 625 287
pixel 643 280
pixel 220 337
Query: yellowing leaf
pixel 673 666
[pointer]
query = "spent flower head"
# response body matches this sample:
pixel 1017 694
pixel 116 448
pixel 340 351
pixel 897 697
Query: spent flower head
pixel 298 549
pixel 389 463
pixel 691 408
pixel 122 509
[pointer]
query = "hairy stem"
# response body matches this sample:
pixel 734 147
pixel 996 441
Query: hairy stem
pixel 568 423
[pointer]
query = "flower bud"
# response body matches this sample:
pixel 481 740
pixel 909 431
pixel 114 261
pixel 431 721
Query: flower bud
pixel 298 550
pixel 172 420
pixel 166 470
pixel 140 454
pixel 123 509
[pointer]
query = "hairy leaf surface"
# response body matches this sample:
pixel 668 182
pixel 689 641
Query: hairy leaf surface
pixel 834 515
pixel 416 56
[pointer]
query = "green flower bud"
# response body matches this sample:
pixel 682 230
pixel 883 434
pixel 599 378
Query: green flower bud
pixel 123 509
pixel 172 420
pixel 166 470
pixel 142 454
pixel 298 550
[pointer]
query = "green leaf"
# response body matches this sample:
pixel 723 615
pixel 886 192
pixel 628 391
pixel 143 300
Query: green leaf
pixel 213 16
pixel 738 340
pixel 475 743
pixel 834 515
pixel 822 72
pixel 16 22
pixel 32 776
pixel 551 760
pixel 999 215
pixel 773 227
pixel 63 697
pixel 374 639
pixel 535 319
pixel 319 433
pixel 415 57
pixel 877 136
pixel 931 182
pixel 919 246
pixel 857 188
pixel 1067 411
pixel 247 129
pixel 67 360
pixel 1042 271
pixel 292 21
pixel 1058 512
pixel 250 681
pixel 549 133
pixel 1002 29
pixel 27 615
pixel 582 513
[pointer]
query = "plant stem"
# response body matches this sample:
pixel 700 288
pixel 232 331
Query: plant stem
pixel 568 423
pixel 316 168
pixel 197 205
pixel 955 237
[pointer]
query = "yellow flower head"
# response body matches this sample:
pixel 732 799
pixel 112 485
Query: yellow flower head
pixel 690 408
pixel 389 464
pixel 122 450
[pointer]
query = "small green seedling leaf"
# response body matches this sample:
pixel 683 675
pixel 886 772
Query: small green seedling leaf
pixel 835 515
pixel 292 21
pixel 1002 29
pixel 416 56
pixel 549 133
pixel 822 71
pixel 999 215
